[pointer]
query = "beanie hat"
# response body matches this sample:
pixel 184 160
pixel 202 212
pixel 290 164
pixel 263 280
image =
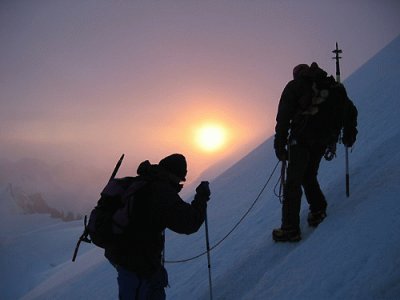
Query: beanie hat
pixel 175 164
pixel 299 70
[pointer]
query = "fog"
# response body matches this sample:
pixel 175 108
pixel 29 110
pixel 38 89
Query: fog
pixel 83 82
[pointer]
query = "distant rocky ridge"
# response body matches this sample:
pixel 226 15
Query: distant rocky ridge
pixel 65 186
pixel 35 204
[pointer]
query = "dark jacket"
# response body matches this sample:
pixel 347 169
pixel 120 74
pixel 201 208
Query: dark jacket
pixel 310 110
pixel 158 206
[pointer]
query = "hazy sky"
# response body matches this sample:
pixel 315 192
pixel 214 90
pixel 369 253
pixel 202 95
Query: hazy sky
pixel 88 80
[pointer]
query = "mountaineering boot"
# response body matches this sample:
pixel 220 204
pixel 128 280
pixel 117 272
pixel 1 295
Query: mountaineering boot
pixel 314 218
pixel 286 235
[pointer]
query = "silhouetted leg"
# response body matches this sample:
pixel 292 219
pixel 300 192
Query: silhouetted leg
pixel 297 167
pixel 312 190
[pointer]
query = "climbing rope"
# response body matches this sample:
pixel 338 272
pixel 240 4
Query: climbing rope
pixel 234 227
pixel 281 182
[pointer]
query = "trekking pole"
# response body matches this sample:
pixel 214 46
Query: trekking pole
pixel 338 51
pixel 163 251
pixel 208 257
pixel 347 172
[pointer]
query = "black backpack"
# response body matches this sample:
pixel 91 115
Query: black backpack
pixel 320 113
pixel 110 219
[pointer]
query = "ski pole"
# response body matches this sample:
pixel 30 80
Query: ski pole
pixel 163 251
pixel 208 257
pixel 347 172
pixel 338 51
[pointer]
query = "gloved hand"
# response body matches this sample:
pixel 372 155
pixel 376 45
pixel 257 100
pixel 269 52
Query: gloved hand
pixel 203 190
pixel 349 137
pixel 330 152
pixel 280 148
pixel 281 153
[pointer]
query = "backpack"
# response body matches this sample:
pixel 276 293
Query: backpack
pixel 109 220
pixel 320 112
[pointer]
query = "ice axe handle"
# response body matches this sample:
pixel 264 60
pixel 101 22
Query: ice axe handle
pixel 114 173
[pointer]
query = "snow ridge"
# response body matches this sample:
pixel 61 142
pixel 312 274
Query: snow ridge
pixel 353 254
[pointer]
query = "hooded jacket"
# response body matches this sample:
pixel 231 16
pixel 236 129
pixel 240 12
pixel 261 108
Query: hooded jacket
pixel 310 108
pixel 158 206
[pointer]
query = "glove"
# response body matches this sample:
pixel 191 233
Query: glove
pixel 280 150
pixel 281 153
pixel 203 190
pixel 330 152
pixel 349 137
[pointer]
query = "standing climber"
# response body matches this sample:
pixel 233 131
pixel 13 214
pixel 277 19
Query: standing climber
pixel 311 113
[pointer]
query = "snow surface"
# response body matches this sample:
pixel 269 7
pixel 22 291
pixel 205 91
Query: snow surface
pixel 353 254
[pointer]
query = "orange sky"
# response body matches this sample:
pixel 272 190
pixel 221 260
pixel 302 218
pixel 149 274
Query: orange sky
pixel 87 81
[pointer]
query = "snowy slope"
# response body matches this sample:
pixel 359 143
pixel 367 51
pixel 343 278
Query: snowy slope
pixel 353 254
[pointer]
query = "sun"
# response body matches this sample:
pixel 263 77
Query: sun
pixel 211 137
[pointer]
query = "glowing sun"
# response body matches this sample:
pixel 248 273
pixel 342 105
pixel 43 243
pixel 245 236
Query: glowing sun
pixel 211 137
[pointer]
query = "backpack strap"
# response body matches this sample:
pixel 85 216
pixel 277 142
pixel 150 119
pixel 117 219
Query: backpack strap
pixel 318 96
